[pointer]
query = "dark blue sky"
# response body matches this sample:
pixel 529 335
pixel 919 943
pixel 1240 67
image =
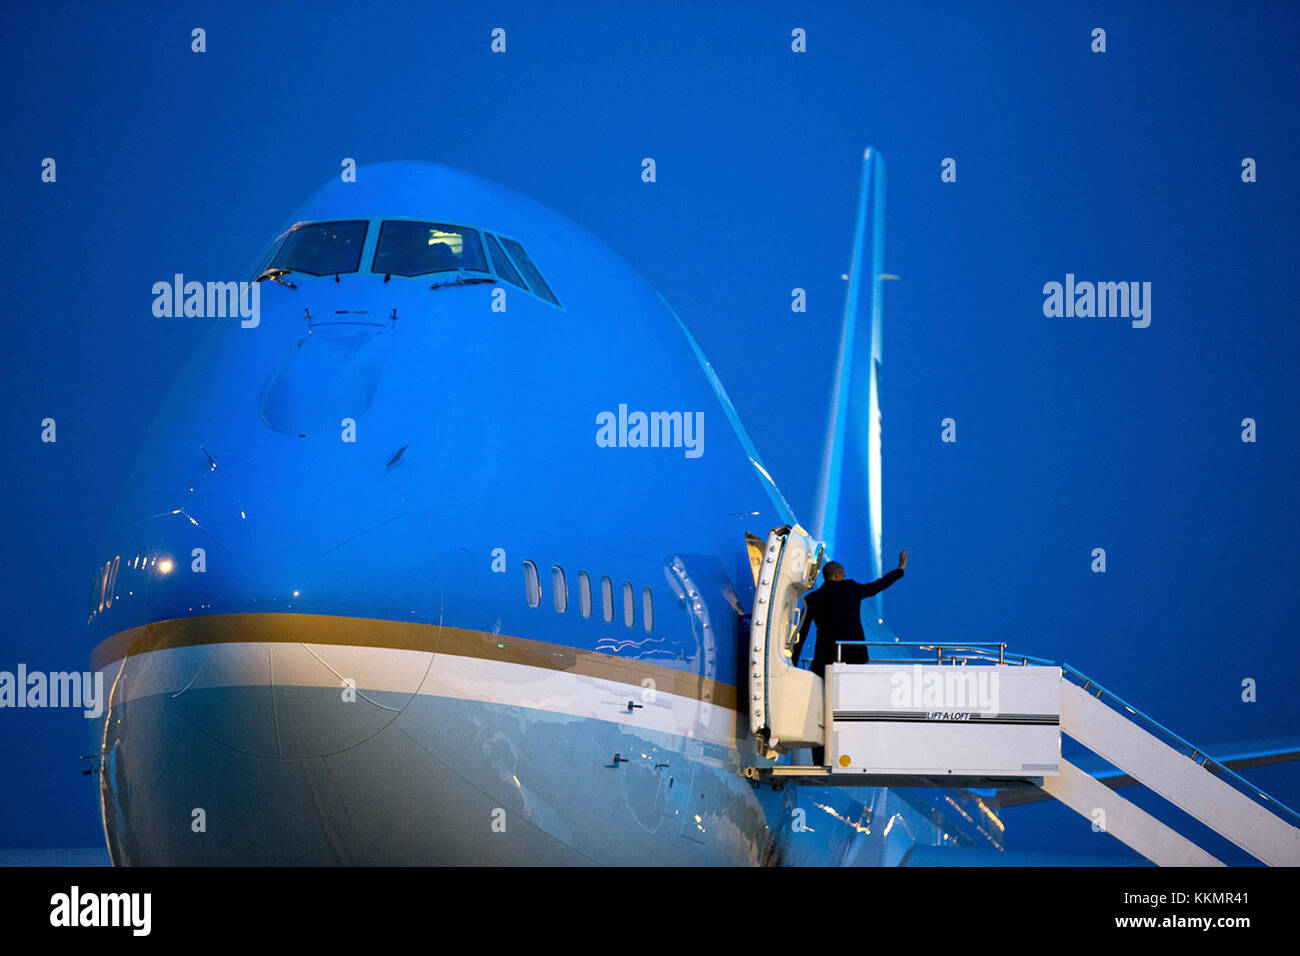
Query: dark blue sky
pixel 1072 433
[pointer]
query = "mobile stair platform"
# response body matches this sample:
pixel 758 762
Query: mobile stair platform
pixel 973 716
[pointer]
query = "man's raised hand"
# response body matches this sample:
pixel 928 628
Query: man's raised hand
pixel 902 560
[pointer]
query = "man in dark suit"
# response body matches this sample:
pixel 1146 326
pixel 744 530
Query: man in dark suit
pixel 835 609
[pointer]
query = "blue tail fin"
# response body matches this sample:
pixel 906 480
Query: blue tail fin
pixel 847 516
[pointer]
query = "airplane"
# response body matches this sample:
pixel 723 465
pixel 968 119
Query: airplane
pixel 445 561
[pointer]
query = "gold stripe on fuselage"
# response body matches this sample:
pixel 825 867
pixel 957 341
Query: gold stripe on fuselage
pixel 270 628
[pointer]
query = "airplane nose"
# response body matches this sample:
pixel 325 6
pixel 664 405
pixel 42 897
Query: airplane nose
pixel 207 713
pixel 330 374
pixel 253 751
pixel 281 685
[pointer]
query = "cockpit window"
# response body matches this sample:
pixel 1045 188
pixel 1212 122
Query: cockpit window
pixel 529 270
pixel 501 262
pixel 418 248
pixel 322 248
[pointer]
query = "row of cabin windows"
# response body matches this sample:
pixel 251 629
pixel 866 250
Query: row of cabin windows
pixel 560 596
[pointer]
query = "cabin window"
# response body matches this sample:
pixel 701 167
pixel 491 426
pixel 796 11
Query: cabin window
pixel 112 583
pixel 584 593
pixel 647 610
pixel 559 588
pixel 607 598
pixel 629 608
pixel 322 248
pixel 97 592
pixel 532 586
pixel 419 248
pixel 529 270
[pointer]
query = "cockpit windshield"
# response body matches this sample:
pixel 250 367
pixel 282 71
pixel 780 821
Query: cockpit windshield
pixel 417 248
pixel 322 248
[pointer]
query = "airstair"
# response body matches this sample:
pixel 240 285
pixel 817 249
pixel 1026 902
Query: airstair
pixel 973 716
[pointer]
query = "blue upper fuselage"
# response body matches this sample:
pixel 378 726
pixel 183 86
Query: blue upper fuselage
pixel 494 414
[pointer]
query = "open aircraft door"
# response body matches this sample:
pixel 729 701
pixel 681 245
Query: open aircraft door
pixel 785 703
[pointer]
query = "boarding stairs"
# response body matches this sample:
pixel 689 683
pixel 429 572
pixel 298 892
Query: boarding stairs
pixel 975 716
